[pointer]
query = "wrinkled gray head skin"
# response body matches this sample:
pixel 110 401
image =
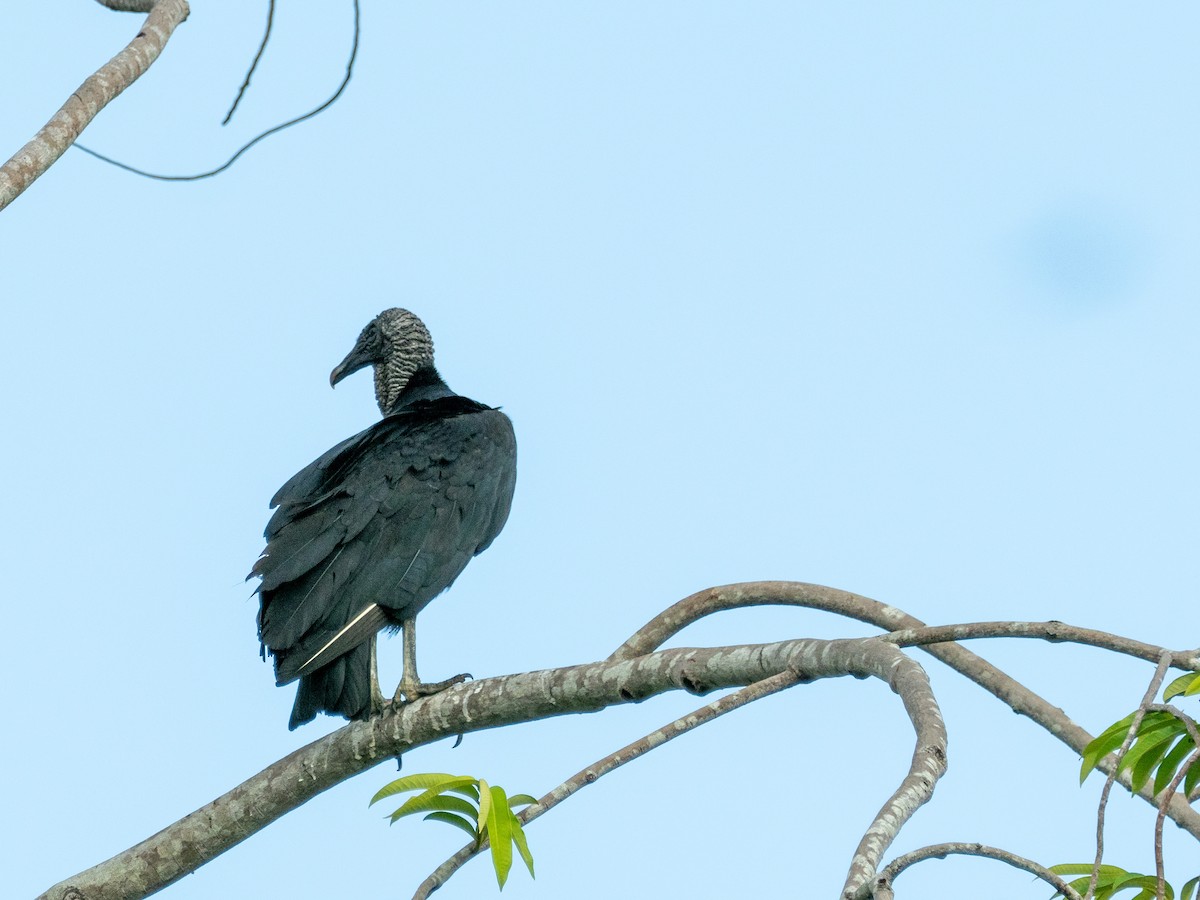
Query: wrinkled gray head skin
pixel 397 344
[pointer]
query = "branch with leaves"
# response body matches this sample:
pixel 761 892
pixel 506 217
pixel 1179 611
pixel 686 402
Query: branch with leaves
pixel 637 671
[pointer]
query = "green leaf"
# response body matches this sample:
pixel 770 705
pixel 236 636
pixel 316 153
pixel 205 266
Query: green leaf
pixel 521 800
pixel 1194 688
pixel 1189 780
pixel 436 781
pixel 1149 754
pixel 485 806
pixel 1086 868
pixel 1114 736
pixel 457 821
pixel 1148 735
pixel 1178 686
pixel 455 804
pixel 470 791
pixel 438 802
pixel 1149 886
pixel 1104 743
pixel 499 832
pixel 1112 880
pixel 1172 761
pixel 518 836
pixel 430 800
pixel 1189 889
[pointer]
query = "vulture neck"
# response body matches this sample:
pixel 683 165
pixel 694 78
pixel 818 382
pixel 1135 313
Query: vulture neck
pixel 425 384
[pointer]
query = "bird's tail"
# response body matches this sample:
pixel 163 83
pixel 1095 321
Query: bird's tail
pixel 342 688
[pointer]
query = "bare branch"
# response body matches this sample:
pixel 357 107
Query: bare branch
pixel 1151 692
pixel 600 768
pixel 209 173
pixel 1054 632
pixel 93 95
pixel 928 765
pixel 186 845
pixel 887 877
pixel 790 593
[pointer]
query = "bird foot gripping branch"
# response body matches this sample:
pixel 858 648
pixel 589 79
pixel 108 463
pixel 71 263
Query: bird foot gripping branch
pixel 407 693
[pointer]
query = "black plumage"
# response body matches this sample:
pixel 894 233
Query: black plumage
pixel 368 534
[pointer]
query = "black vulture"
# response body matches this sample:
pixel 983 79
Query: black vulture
pixel 364 537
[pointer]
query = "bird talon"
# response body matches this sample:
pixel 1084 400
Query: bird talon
pixel 408 693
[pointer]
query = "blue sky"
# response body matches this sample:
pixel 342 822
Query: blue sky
pixel 895 298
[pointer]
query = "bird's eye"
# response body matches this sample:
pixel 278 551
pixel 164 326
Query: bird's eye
pixel 370 336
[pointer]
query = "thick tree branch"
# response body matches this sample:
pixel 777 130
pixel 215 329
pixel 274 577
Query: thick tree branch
pixel 610 763
pixel 887 877
pixel 93 95
pixel 1010 691
pixel 928 765
pixel 183 847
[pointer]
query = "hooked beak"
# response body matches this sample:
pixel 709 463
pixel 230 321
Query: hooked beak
pixel 358 358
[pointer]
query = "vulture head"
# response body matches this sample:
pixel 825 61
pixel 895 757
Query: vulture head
pixel 398 345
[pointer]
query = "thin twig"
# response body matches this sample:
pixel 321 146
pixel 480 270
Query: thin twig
pixel 1160 673
pixel 49 144
pixel 1053 632
pixel 613 761
pixel 883 885
pixel 254 65
pixel 270 131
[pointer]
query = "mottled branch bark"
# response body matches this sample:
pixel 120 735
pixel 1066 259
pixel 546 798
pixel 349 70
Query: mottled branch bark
pixel 928 765
pixel 183 847
pixel 28 164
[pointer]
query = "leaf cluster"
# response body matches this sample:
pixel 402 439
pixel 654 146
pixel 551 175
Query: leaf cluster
pixel 1160 746
pixel 483 811
pixel 1114 879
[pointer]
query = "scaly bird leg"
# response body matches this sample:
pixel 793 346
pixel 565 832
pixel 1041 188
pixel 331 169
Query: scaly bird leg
pixel 376 695
pixel 411 688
